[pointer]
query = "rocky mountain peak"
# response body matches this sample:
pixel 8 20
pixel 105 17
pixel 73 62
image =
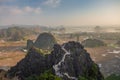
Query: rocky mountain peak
pixel 69 61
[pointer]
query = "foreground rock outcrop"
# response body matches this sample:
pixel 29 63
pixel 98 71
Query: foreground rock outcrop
pixel 69 61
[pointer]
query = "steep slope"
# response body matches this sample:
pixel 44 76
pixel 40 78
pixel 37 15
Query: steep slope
pixel 45 41
pixel 69 61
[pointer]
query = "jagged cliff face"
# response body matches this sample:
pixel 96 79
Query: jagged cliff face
pixel 69 61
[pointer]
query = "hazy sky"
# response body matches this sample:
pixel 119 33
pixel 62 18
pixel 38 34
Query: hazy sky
pixel 60 12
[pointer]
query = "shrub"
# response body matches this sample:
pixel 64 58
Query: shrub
pixel 47 75
pixel 113 77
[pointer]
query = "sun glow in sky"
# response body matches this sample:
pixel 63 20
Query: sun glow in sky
pixel 60 12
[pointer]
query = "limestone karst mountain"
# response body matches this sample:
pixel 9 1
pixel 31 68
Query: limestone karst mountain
pixel 92 43
pixel 69 61
pixel 45 41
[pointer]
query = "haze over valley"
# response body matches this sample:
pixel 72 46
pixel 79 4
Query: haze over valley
pixel 59 40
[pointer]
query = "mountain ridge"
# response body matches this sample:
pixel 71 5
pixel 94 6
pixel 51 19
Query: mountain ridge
pixel 69 61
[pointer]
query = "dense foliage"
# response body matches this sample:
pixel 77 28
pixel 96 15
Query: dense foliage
pixel 47 75
pixel 113 77
pixel 91 75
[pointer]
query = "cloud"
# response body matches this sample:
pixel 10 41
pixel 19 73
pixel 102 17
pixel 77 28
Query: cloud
pixel 32 10
pixel 10 10
pixel 52 3
pixel 15 11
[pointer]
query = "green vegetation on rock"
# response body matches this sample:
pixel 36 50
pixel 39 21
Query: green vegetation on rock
pixel 92 74
pixel 82 78
pixel 47 75
pixel 42 51
pixel 113 77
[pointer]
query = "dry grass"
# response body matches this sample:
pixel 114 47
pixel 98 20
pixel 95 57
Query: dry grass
pixel 10 53
pixel 11 58
pixel 17 43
